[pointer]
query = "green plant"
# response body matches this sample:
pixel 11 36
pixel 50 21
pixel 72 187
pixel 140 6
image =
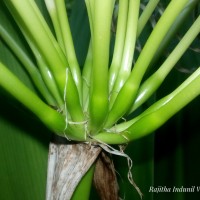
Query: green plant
pixel 88 104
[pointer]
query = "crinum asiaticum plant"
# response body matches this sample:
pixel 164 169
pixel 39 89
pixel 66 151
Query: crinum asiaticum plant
pixel 86 103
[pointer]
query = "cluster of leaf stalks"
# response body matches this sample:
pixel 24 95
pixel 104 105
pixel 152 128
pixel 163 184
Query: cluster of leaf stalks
pixel 91 100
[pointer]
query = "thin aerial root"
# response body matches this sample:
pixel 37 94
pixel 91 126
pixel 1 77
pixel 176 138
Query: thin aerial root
pixel 114 151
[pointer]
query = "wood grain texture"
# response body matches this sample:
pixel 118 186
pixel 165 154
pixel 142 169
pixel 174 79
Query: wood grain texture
pixel 67 164
pixel 105 179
